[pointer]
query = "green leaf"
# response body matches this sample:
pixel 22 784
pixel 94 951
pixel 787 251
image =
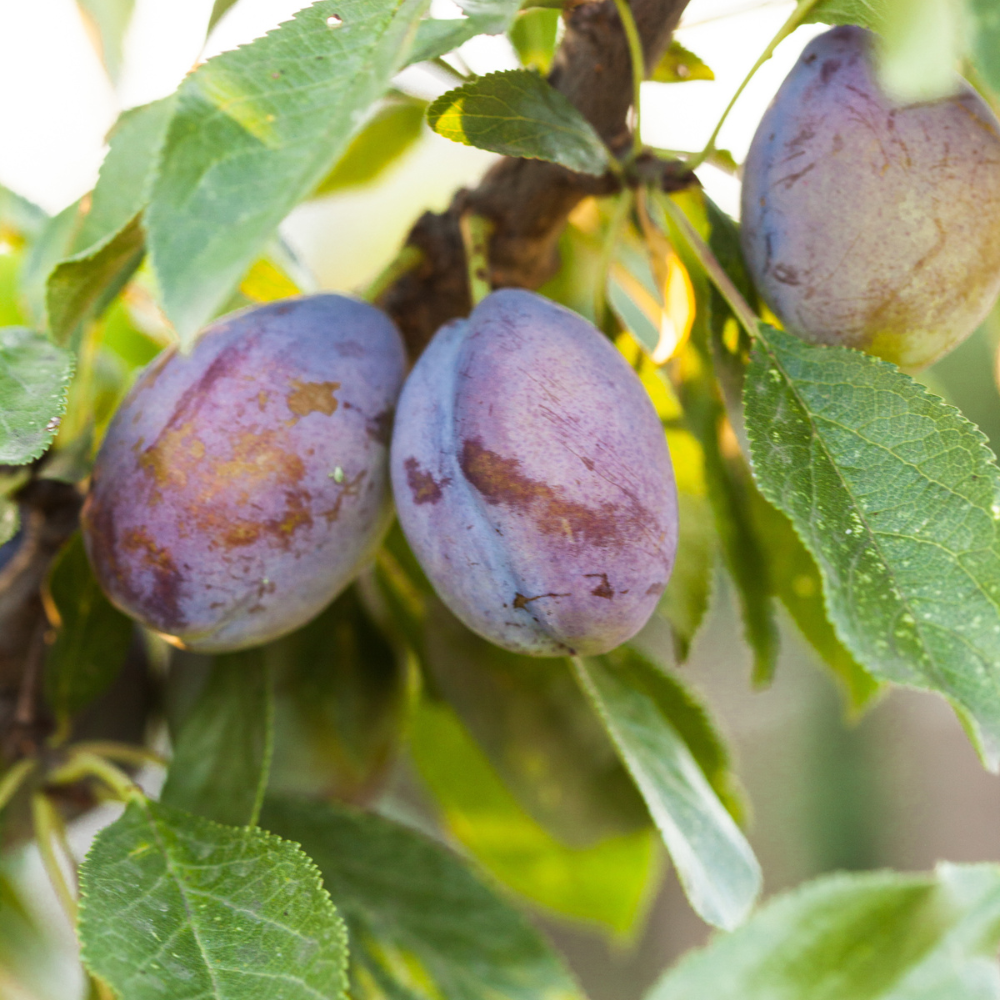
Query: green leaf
pixel 922 40
pixel 874 936
pixel 52 244
pixel 727 478
pixel 176 906
pixel 634 295
pixel 984 17
pixel 678 65
pixel 608 883
pixel 110 243
pixel 714 863
pixel 34 376
pixel 685 601
pixel 867 13
pixel 108 21
pixel 86 283
pixel 420 921
pixel 533 35
pixel 387 135
pixel 222 752
pixel 341 702
pixel 897 497
pixel 125 181
pixel 743 550
pixel 218 9
pixel 437 37
pixel 517 113
pixel 690 719
pixel 484 17
pixel 537 729
pixel 19 216
pixel 256 129
pixel 796 581
pixel 93 637
pixel 495 15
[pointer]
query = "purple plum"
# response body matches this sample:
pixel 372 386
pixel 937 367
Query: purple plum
pixel 532 479
pixel 240 488
pixel 869 223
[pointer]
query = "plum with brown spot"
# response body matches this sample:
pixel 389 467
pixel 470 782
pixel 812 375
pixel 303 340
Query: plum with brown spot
pixel 241 488
pixel 533 481
pixel 868 223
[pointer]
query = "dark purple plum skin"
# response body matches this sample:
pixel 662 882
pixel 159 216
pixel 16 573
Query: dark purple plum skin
pixel 240 488
pixel 868 223
pixel 533 481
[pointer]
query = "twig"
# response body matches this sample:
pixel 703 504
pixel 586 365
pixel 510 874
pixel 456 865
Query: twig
pixel 795 19
pixel 46 819
pixel 638 69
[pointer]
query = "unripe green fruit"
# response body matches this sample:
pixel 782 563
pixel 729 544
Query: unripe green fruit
pixel 867 223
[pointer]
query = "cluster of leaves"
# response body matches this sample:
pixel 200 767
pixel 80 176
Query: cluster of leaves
pixel 558 779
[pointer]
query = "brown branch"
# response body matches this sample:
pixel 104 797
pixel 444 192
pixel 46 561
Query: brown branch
pixel 529 201
pixel 49 516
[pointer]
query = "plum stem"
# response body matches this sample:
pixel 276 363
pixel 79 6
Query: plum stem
pixel 476 230
pixel 48 829
pixel 716 273
pixel 794 20
pixel 83 764
pixel 405 261
pixel 13 779
pixel 638 68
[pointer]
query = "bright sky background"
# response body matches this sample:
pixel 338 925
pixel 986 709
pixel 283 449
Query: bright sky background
pixel 59 105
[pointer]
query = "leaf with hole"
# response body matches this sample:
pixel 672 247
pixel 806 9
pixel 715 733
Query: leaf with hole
pixel 255 131
pixel 679 65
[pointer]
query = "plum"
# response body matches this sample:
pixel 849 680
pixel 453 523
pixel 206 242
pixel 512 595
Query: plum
pixel 869 223
pixel 532 479
pixel 241 487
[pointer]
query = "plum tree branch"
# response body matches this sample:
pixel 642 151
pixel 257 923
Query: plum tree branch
pixel 529 201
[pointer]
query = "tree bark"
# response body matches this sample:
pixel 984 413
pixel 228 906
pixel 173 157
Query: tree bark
pixel 529 201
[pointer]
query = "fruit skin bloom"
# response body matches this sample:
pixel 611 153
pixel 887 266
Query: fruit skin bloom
pixel 241 487
pixel 868 223
pixel 533 481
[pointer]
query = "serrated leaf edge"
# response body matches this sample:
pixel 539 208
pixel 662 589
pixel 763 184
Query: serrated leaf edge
pixel 989 752
pixel 314 875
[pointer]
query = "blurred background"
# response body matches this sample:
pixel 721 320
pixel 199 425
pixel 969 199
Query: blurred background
pixel 900 787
